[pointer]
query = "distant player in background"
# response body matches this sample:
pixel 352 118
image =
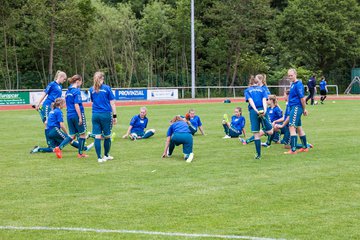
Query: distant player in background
pixel 323 89
pixel 297 105
pixel 137 126
pixel 311 84
pixel 194 122
pixel 256 96
pixel 235 127
pixel 179 134
pixel 75 112
pixel 103 115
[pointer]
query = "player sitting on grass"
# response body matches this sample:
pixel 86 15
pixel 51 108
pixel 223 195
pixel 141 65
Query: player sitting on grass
pixel 234 128
pixel 137 126
pixel 194 122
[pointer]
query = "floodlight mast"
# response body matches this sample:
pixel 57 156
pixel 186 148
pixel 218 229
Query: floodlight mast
pixel 192 50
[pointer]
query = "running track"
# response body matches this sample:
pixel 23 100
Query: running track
pixel 179 101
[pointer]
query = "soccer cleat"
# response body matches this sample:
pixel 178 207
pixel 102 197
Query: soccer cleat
pixel 106 158
pixel 35 149
pixel 113 135
pixel 88 135
pixel 310 145
pixel 58 153
pixel 225 118
pixel 290 152
pixel 82 155
pixel 265 145
pixel 257 157
pixel 190 158
pixel 101 160
pixel 243 141
pixel 226 136
pixel 90 146
pixel 303 150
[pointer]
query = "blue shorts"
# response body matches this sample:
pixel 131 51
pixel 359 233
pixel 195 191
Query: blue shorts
pixel 102 124
pixel 295 116
pixel 74 127
pixel 186 139
pixel 55 136
pixel 256 121
pixel 44 112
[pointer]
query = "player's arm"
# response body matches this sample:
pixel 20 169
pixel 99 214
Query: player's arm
pixel 167 143
pixel 77 109
pixel 252 104
pixel 303 104
pixel 128 132
pixel 62 126
pixel 43 95
pixel 113 107
pixel 201 130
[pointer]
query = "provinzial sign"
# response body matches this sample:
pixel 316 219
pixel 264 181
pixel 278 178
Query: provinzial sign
pixel 131 94
pixel 14 98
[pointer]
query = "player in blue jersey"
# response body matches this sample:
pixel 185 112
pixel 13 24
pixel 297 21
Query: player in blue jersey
pixel 323 89
pixel 57 136
pixel 51 92
pixel 138 123
pixel 311 84
pixel 297 105
pixel 257 99
pixel 179 134
pixel 75 113
pixel 194 122
pixel 236 127
pixel 103 115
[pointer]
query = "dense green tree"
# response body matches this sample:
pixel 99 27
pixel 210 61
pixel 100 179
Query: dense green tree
pixel 320 35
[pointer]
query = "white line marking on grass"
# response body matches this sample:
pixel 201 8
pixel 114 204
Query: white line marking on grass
pixel 171 234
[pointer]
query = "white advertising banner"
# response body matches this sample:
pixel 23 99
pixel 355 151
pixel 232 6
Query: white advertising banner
pixel 162 94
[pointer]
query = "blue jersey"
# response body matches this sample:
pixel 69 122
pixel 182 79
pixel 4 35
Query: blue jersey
pixel 311 83
pixel 101 100
pixel 266 89
pixel 53 91
pixel 238 122
pixel 275 113
pixel 178 127
pixel 196 122
pixel 138 124
pixel 296 94
pixel 72 97
pixel 322 85
pixel 257 94
pixel 55 118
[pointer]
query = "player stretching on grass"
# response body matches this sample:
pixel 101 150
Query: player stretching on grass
pixel 297 105
pixel 75 113
pixel 194 122
pixel 137 126
pixel 179 134
pixel 234 128
pixel 257 97
pixel 103 115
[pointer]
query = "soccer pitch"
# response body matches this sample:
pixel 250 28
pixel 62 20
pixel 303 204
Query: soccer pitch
pixel 223 193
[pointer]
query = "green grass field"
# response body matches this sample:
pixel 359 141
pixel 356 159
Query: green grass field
pixel 224 191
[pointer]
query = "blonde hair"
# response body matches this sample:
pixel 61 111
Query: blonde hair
pixel 273 98
pixel 59 73
pixel 75 78
pixel 97 80
pixel 293 70
pixel 261 78
pixel 58 103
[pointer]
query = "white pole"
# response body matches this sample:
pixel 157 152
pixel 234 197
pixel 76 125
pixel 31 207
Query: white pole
pixel 192 50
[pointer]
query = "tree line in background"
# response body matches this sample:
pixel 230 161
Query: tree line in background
pixel 146 43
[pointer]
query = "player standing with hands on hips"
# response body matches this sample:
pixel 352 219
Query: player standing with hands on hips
pixel 103 115
pixel 297 105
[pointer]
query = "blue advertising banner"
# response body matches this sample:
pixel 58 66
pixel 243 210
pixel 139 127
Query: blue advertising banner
pixel 131 94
